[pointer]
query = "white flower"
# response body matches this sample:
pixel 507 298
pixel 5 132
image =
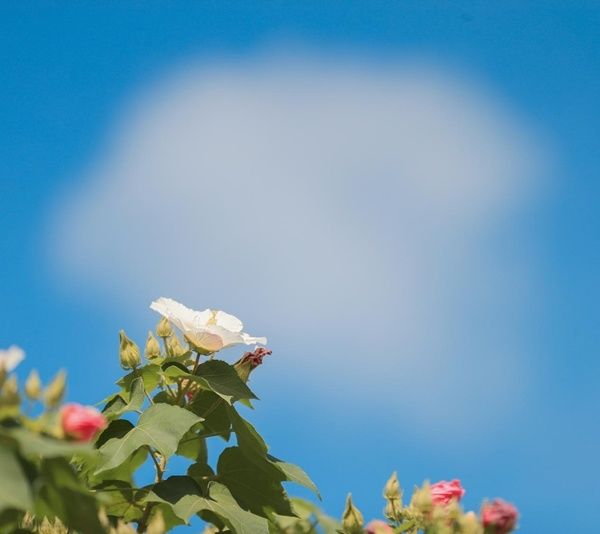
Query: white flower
pixel 11 357
pixel 208 330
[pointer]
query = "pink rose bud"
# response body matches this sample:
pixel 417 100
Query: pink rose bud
pixel 499 516
pixel 81 422
pixel 378 527
pixel 443 492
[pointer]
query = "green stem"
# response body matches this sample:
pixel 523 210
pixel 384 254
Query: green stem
pixel 160 465
pixel 167 351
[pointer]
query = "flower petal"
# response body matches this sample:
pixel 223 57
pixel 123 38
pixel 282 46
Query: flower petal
pixel 249 340
pixel 230 322
pixel 181 316
pixel 11 357
pixel 205 340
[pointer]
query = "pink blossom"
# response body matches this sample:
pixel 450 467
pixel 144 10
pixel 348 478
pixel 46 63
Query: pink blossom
pixel 81 422
pixel 255 357
pixel 444 492
pixel 378 527
pixel 500 516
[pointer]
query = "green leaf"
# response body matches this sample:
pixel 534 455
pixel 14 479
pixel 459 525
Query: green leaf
pixel 161 427
pixel 115 429
pixel 191 445
pixel 255 448
pixel 185 498
pixel 201 472
pixel 63 495
pixel 249 440
pixel 123 472
pixel 150 374
pixel 15 491
pixel 181 492
pixel 38 445
pixel 122 500
pixel 213 409
pixel 306 509
pixel 118 406
pixel 255 483
pixel 217 376
pixel 240 521
pixel 294 473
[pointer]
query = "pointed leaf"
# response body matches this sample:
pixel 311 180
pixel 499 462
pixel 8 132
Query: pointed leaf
pixel 217 376
pixel 213 410
pixel 186 499
pixel 255 484
pixel 161 427
pixel 149 373
pixel 118 406
pixel 294 473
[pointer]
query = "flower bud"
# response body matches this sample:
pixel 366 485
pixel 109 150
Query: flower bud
pixel 499 517
pixel 56 390
pixel 421 500
pixel 393 509
pixel 152 348
pixel 157 524
pixel 250 361
pixel 163 328
pixel 378 527
pixel 81 422
pixel 392 490
pixel 469 524
pixel 352 519
pixel 52 527
pixel 129 353
pixel 10 392
pixel 175 347
pixel 443 492
pixel 33 386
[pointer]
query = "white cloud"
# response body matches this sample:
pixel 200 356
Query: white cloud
pixel 362 211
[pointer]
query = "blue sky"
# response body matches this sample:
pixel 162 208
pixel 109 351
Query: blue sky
pixel 432 305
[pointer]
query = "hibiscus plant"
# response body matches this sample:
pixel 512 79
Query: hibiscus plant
pixel 141 463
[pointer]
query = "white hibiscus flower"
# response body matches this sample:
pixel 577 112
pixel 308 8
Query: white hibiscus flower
pixel 208 330
pixel 11 357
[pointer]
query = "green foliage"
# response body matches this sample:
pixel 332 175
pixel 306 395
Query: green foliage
pixel 59 476
pixel 169 406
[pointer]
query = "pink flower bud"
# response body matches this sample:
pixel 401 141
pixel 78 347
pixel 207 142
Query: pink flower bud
pixel 499 516
pixel 444 492
pixel 378 527
pixel 81 422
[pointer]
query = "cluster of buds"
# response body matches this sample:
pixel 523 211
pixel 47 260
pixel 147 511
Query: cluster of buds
pixel 80 423
pixel 10 397
pixel 434 508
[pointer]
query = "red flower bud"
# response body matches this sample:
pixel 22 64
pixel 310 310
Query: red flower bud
pixel 250 361
pixel 444 492
pixel 255 357
pixel 81 422
pixel 499 516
